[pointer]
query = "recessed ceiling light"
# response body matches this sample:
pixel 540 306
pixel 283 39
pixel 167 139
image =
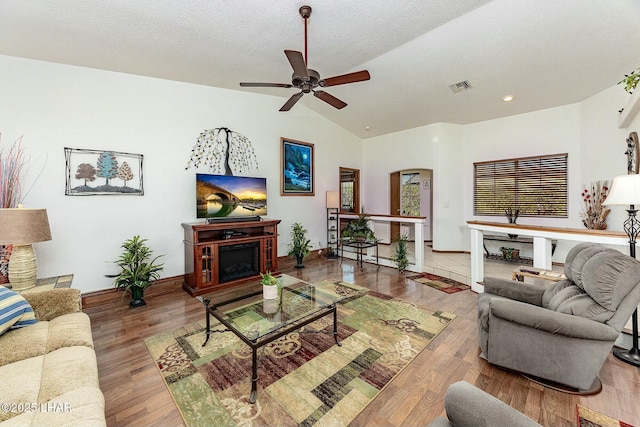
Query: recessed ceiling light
pixel 508 98
pixel 367 128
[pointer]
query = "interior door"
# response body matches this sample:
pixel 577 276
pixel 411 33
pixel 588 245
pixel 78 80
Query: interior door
pixel 394 203
pixel 349 190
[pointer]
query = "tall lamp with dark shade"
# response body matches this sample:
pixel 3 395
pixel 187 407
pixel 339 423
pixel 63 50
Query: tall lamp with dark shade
pixel 21 228
pixel 625 191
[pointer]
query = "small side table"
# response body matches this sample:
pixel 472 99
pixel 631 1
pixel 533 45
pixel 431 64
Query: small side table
pixel 359 250
pixel 521 272
pixel 54 282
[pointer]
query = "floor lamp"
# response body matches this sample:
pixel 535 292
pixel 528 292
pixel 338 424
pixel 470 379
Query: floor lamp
pixel 20 228
pixel 625 191
pixel 333 207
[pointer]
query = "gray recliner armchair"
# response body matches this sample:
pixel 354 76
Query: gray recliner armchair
pixel 561 333
pixel 468 406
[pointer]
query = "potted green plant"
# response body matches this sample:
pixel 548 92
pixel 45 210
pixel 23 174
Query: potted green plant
pixel 270 285
pixel 138 270
pixel 358 229
pixel 401 252
pixel 510 254
pixel 631 80
pixel 300 245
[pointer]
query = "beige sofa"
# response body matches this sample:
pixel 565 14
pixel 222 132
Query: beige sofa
pixel 48 370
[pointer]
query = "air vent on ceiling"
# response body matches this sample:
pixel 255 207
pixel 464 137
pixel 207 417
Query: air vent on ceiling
pixel 460 87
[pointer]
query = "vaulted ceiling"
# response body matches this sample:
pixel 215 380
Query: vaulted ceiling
pixel 544 53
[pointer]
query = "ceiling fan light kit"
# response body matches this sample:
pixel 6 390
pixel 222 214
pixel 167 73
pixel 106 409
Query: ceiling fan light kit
pixel 309 80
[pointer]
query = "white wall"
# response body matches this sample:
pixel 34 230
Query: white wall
pixel 437 147
pixel 587 131
pixel 55 106
pixel 603 143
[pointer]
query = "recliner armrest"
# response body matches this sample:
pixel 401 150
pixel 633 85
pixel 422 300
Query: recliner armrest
pixel 530 293
pixel 551 321
pixel 469 406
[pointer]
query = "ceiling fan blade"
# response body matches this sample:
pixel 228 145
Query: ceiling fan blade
pixel 297 63
pixel 357 76
pixel 291 101
pixel 330 99
pixel 287 85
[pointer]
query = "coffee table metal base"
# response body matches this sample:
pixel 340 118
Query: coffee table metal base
pixel 257 343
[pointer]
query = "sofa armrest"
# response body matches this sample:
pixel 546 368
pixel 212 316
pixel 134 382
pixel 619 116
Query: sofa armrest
pixel 51 303
pixel 531 293
pixel 551 321
pixel 469 406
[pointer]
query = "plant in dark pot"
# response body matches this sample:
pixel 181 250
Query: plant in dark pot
pixel 300 245
pixel 358 229
pixel 139 270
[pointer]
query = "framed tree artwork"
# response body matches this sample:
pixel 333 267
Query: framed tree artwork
pixel 92 172
pixel 296 165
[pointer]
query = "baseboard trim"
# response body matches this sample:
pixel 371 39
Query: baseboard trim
pixel 106 296
pixel 164 285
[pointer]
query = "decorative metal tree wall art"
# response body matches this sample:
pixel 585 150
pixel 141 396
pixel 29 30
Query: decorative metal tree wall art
pixel 224 151
pixel 92 172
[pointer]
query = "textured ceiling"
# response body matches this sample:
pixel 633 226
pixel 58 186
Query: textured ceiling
pixel 543 52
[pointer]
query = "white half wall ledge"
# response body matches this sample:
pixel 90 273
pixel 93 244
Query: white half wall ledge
pixel 542 237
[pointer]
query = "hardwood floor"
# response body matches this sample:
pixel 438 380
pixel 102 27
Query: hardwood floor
pixel 136 395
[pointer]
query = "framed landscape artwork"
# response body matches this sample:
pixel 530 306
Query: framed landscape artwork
pixel 296 164
pixel 92 172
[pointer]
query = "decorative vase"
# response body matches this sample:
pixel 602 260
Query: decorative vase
pixel 269 291
pixel 136 297
pixel 299 261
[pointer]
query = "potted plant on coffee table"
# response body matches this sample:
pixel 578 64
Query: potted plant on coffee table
pixel 270 285
pixel 138 270
pixel 300 245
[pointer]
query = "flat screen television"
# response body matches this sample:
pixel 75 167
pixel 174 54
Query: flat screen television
pixel 234 197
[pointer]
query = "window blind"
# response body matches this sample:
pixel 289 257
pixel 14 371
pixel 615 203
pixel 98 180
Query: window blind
pixel 535 186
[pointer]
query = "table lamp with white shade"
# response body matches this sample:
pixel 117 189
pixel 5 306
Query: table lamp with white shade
pixel 625 191
pixel 21 228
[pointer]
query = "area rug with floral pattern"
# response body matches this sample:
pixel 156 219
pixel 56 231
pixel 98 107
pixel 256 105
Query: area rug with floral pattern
pixel 440 283
pixel 304 379
pixel 589 418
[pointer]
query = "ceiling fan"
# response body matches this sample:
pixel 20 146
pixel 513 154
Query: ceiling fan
pixel 308 80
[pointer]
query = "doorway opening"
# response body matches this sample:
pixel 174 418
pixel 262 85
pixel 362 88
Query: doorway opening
pixel 349 190
pixel 411 194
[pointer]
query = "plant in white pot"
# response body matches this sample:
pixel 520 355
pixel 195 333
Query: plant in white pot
pixel 270 286
pixel 138 270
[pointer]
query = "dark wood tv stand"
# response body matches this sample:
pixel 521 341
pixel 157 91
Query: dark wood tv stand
pixel 204 242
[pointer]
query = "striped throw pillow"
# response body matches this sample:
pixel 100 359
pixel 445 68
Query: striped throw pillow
pixel 15 311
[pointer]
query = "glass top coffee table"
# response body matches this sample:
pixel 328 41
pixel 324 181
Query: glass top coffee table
pixel 257 321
